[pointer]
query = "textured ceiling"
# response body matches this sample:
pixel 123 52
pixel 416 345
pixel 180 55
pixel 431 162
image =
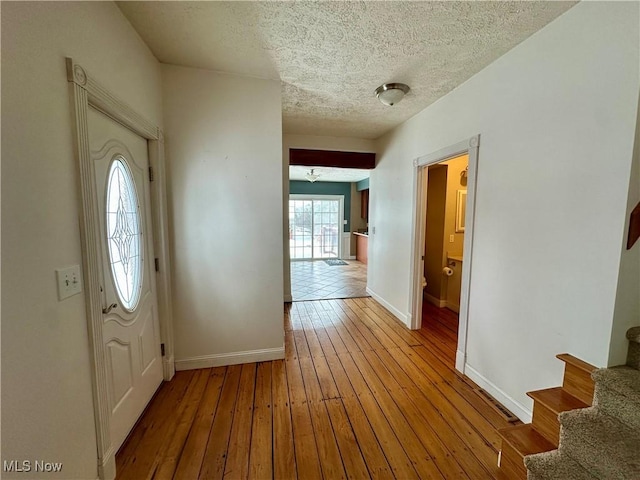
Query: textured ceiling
pixel 331 56
pixel 328 174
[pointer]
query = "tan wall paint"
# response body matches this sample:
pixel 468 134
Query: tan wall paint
pixel 47 404
pixel 434 235
pixel 455 182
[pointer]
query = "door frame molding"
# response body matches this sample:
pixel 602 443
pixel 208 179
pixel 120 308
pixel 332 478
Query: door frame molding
pixel 86 92
pixel 418 226
pixel 320 196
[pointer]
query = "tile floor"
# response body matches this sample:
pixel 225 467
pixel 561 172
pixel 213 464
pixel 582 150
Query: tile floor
pixel 315 280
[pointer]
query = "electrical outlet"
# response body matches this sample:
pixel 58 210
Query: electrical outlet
pixel 452 238
pixel 69 282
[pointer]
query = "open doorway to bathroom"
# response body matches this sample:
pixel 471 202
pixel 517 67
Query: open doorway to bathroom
pixel 442 250
pixel 446 190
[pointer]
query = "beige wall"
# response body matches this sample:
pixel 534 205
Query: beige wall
pixel 224 149
pixel 434 235
pixel 47 404
pixel 455 182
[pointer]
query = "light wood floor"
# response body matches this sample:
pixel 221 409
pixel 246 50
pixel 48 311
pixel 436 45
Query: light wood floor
pixel 358 396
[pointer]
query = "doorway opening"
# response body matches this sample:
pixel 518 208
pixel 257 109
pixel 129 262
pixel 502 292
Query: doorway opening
pixel 324 216
pixel 444 210
pixel 446 189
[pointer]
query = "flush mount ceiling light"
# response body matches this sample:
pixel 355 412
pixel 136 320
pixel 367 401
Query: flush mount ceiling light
pixel 312 177
pixel 391 93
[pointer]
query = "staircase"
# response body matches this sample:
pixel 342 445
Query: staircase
pixel 569 439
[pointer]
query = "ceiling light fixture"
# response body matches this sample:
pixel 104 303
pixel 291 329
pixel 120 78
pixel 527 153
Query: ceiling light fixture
pixel 391 93
pixel 312 177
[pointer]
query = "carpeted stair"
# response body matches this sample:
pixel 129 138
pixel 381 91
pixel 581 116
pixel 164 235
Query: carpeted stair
pixel 600 442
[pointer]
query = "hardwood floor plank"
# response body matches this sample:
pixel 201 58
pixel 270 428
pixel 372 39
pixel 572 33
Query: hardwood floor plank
pixel 260 458
pixel 306 449
pixel 213 463
pixel 357 396
pixel 284 461
pixel 153 429
pixel 399 461
pixel 169 456
pixel 420 457
pixel 336 341
pixel 290 351
pixel 374 456
pixel 237 464
pixel 352 459
pixel 420 389
pixel 194 449
pixel 330 460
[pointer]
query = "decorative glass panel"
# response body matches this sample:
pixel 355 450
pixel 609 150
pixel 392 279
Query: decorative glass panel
pixel 124 233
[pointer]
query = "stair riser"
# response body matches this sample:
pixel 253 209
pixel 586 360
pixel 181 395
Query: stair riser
pixel 618 406
pixel 633 355
pixel 511 462
pixel 546 422
pixel 601 460
pixel 578 383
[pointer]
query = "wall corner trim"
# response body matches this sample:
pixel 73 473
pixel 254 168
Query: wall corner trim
pixel 518 409
pixel 400 316
pixel 233 358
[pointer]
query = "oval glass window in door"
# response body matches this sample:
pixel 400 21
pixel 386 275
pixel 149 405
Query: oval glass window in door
pixel 124 233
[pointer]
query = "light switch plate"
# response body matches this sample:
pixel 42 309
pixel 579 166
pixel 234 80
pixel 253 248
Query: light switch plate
pixel 69 281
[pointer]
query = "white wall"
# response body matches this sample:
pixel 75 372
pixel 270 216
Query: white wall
pixel 47 405
pixel 557 118
pixel 627 309
pixel 224 151
pixel 312 142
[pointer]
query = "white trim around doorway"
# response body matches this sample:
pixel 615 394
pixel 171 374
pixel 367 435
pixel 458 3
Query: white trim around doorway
pixel 418 225
pixel 86 92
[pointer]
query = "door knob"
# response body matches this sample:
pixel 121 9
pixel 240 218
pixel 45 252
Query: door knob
pixel 109 308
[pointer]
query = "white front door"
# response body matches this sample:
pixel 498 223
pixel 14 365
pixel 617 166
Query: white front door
pixel 127 277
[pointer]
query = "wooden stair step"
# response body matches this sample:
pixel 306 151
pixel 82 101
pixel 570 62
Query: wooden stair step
pixel 525 439
pixel 576 362
pixel 557 400
pixel 577 379
pixel 548 404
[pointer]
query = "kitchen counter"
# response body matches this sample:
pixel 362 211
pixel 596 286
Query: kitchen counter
pixel 362 247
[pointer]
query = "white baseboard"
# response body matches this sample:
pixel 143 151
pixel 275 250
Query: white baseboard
pixel 288 298
pixel 233 358
pixel 107 468
pixel 400 316
pixel 168 367
pixel 453 307
pixel 516 408
pixel 352 257
pixel 461 361
pixel 435 301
